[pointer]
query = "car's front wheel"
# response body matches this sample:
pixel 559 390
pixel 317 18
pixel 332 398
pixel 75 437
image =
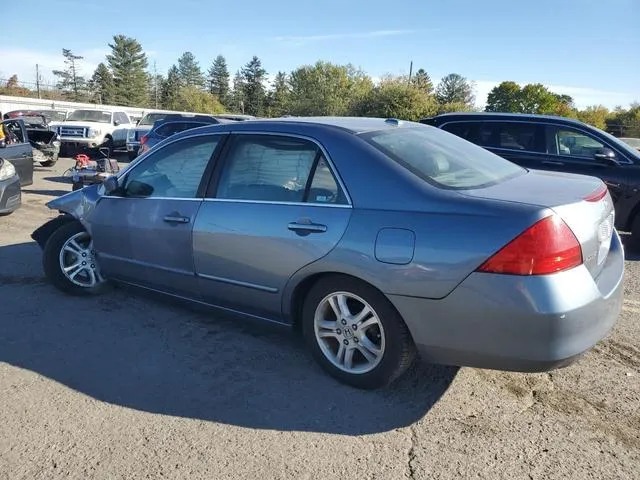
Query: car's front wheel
pixel 355 333
pixel 70 263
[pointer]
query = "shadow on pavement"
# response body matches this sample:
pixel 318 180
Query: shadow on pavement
pixel 630 253
pixel 50 193
pixel 158 357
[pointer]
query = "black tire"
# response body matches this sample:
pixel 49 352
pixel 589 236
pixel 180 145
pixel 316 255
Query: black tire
pixel 634 244
pixel 132 156
pixel 48 163
pixel 399 352
pixel 76 186
pixel 51 262
pixel 108 144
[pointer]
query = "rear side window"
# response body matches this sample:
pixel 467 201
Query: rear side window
pixel 122 118
pixel 177 127
pixel 512 136
pixel 466 130
pixel 441 159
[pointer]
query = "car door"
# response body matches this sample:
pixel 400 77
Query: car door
pixel 18 150
pixel 143 231
pixel 120 130
pixel 573 150
pixel 275 205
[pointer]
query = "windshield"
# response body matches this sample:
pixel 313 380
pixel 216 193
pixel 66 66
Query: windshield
pixel 150 118
pixel 90 116
pixel 53 115
pixel 633 142
pixel 443 159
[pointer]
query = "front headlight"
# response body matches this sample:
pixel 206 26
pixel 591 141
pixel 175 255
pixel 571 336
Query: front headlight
pixel 7 170
pixel 131 134
pixel 94 132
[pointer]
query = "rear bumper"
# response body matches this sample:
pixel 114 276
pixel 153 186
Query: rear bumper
pixel 10 194
pixel 527 324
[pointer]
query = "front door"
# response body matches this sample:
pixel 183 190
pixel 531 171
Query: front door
pixel 276 207
pixel 18 150
pixel 143 231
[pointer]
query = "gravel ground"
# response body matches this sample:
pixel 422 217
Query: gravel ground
pixel 127 387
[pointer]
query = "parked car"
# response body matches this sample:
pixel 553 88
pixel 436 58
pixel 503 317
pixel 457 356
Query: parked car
pixel 142 128
pixel 376 237
pixel 45 143
pixel 51 115
pixel 15 148
pixel 10 193
pixel 558 144
pixel 632 142
pixel 92 129
pixel 175 123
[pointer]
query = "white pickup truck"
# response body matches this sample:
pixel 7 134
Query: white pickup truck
pixel 92 129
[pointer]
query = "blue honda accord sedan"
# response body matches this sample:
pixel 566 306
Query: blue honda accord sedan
pixel 380 239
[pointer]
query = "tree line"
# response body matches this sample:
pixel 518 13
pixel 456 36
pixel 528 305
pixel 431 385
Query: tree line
pixel 323 88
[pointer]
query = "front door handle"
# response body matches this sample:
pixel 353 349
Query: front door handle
pixel 305 228
pixel 176 219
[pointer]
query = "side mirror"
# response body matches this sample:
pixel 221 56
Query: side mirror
pixel 606 155
pixel 110 184
pixel 116 123
pixel 3 143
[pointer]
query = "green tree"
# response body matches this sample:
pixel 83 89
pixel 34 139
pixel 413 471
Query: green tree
pixel 595 115
pixel 279 97
pixel 237 96
pixel 454 88
pixel 156 87
pixel 101 85
pixel 171 89
pixel 625 123
pixel 219 81
pixel 536 98
pixel 504 98
pixel 394 98
pixel 194 99
pixel 70 81
pixel 189 70
pixel 128 63
pixel 327 89
pixel 254 94
pixel 422 80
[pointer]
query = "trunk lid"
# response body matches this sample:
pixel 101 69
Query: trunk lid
pixel 591 219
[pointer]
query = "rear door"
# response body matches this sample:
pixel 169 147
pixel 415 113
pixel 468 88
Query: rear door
pixel 275 207
pixel 18 150
pixel 143 232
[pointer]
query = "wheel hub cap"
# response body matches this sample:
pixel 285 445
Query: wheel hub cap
pixel 78 261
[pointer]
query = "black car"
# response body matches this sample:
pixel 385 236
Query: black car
pixel 560 144
pixel 175 123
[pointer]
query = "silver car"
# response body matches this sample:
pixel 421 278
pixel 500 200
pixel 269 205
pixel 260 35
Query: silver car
pixel 378 238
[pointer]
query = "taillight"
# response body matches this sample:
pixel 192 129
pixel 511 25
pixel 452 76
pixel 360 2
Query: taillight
pixel 546 247
pixel 597 195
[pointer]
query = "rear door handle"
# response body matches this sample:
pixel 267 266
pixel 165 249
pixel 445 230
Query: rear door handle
pixel 176 219
pixel 303 228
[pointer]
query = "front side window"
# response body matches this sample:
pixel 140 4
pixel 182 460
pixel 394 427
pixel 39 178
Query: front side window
pixel 174 171
pixel 441 159
pixel 576 144
pixel 277 169
pixel 12 132
pixel 122 118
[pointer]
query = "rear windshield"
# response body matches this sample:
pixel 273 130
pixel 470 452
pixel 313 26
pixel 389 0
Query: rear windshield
pixel 151 118
pixel 441 158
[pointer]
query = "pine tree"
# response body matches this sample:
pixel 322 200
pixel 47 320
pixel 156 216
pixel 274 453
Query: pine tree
pixel 279 96
pixel 71 82
pixel 422 80
pixel 171 88
pixel 101 85
pixel 190 72
pixel 219 81
pixel 454 89
pixel 128 63
pixel 238 99
pixel 253 89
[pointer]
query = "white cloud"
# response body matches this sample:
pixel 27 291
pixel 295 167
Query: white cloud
pixel 301 40
pixel 582 96
pixel 22 62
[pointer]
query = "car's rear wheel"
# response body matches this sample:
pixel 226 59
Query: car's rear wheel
pixel 48 163
pixel 132 156
pixel 70 263
pixel 355 333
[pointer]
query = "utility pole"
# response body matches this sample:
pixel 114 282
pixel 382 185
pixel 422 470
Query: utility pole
pixel 410 70
pixel 38 80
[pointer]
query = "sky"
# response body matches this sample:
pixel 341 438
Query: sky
pixel 589 49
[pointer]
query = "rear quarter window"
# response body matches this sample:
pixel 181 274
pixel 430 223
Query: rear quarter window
pixel 442 159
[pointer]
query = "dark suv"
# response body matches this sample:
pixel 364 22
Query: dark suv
pixel 560 144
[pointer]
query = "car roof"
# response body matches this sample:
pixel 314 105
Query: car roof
pixel 528 117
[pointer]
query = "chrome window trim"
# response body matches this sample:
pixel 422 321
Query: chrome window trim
pixel 545 123
pixel 274 202
pixel 330 162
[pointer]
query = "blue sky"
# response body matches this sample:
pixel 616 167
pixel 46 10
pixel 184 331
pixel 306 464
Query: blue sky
pixel 586 48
